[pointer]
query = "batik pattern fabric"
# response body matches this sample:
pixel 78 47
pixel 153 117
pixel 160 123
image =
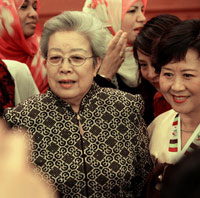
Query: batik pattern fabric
pixel 15 46
pixel 111 13
pixel 111 159
pixel 7 88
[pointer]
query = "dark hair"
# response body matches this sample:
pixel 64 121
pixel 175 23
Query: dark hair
pixel 150 34
pixel 145 42
pixel 182 180
pixel 175 43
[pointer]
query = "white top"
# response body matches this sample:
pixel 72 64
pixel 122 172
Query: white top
pixel 24 83
pixel 160 133
pixel 165 138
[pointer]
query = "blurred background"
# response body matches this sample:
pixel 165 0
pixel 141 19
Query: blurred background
pixel 185 9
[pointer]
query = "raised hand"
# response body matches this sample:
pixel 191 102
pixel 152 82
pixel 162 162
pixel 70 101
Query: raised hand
pixel 115 55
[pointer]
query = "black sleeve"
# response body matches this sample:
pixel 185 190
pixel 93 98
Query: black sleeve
pixel 103 82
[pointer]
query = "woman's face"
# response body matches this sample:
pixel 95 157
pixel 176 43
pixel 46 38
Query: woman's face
pixel 180 84
pixel 28 17
pixel 133 21
pixel 147 70
pixel 70 82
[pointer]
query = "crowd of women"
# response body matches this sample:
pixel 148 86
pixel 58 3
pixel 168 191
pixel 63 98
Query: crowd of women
pixel 101 103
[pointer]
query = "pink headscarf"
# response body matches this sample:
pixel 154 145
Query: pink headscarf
pixel 14 46
pixel 111 13
pixel 18 3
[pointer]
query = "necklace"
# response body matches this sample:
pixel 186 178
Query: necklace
pixel 187 131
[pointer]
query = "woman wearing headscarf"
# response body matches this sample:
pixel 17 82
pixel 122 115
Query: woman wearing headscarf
pixel 116 15
pixel 20 36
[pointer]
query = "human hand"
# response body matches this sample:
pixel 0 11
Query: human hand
pixel 17 179
pixel 115 55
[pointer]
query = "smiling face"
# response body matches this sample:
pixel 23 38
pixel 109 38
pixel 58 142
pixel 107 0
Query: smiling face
pixel 147 70
pixel 180 83
pixel 28 17
pixel 133 21
pixel 70 82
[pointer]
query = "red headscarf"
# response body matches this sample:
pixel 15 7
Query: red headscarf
pixel 14 46
pixel 7 87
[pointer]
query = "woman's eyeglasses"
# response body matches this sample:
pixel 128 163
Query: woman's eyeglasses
pixel 75 60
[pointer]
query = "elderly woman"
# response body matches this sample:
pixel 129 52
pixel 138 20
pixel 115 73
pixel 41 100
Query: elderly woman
pixel 89 141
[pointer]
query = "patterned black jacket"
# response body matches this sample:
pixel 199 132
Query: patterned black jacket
pixel 111 159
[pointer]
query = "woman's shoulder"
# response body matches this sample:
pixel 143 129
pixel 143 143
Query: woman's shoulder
pixel 121 98
pixel 162 121
pixel 29 107
pixel 20 72
pixel 14 65
pixel 24 84
pixel 166 115
pixel 37 100
pixel 121 94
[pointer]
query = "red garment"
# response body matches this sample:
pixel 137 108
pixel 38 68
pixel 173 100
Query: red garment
pixel 160 104
pixel 7 88
pixel 14 46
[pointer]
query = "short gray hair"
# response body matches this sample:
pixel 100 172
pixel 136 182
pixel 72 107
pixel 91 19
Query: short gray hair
pixel 80 22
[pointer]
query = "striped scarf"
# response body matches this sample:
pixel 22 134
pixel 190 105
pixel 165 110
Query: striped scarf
pixel 174 144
